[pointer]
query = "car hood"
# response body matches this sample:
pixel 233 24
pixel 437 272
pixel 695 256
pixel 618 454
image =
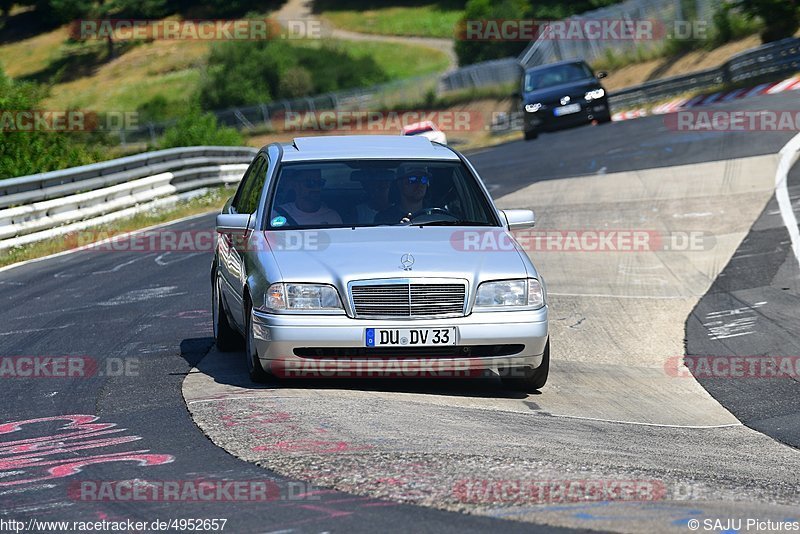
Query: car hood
pixel 341 255
pixel 574 90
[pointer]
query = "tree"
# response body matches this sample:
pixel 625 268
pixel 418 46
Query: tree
pixel 781 17
pixel 471 49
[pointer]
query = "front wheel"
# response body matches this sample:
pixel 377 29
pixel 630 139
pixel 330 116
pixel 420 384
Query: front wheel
pixel 254 368
pixel 226 337
pixel 533 378
pixel 531 134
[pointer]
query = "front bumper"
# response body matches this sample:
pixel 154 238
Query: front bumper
pixel 545 120
pixel 279 337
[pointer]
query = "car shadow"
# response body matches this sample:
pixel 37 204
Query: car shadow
pixel 230 369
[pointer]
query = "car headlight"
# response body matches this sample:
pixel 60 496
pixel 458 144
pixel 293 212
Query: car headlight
pixel 594 94
pixel 289 297
pixel 527 293
pixel 533 108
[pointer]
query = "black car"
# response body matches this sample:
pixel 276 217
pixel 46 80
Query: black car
pixel 560 95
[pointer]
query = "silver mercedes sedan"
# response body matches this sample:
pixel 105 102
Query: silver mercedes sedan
pixel 376 256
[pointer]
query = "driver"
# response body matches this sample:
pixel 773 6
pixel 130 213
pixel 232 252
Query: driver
pixel 412 182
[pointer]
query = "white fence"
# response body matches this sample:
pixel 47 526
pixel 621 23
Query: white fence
pixel 56 203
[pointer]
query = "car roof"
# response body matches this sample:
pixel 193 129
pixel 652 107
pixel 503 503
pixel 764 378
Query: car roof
pixel 342 147
pixel 556 64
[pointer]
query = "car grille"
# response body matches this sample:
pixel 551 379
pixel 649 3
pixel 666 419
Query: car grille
pixel 408 300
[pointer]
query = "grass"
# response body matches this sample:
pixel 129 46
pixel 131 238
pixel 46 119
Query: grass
pixel 173 69
pixel 419 21
pixel 28 56
pixel 399 61
pixel 214 199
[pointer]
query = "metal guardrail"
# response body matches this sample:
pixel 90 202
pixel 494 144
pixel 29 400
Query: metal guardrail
pixel 46 205
pixel 780 57
pixel 248 117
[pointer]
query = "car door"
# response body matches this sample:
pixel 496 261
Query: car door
pixel 232 247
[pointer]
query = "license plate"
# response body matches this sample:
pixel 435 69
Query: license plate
pixel 566 110
pixel 410 337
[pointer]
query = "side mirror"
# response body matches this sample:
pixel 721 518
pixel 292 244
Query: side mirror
pixel 519 219
pixel 516 94
pixel 601 74
pixel 234 223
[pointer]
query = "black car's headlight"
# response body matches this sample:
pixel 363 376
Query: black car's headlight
pixel 526 293
pixel 533 108
pixel 594 94
pixel 299 297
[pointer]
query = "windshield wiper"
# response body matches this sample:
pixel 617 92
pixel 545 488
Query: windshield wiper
pixel 458 222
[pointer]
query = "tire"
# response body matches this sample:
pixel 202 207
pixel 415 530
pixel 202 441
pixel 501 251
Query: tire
pixel 534 378
pixel 531 135
pixel 254 369
pixel 226 337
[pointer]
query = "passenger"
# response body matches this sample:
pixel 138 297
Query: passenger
pixel 307 209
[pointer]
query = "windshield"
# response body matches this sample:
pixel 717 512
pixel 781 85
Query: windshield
pixel 557 75
pixel 334 194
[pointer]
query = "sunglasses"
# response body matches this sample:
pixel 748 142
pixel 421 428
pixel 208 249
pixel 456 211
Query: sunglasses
pixel 313 183
pixel 424 180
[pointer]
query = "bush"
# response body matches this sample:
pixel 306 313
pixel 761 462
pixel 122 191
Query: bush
pixel 159 109
pixel 296 81
pixel 252 72
pixel 729 24
pixel 197 128
pixel 30 152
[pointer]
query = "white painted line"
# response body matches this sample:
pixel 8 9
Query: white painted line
pixel 98 243
pixel 789 155
pixel 640 424
pixel 781 86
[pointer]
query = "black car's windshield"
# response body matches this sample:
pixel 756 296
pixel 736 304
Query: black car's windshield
pixel 333 194
pixel 556 75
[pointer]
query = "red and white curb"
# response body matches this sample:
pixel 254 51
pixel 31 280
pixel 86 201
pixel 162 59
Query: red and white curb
pixel 789 84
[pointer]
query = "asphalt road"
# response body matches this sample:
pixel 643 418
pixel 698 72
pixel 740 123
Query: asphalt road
pixel 150 311
pixel 631 145
pixel 751 310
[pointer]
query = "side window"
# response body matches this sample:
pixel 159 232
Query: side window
pixel 252 184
